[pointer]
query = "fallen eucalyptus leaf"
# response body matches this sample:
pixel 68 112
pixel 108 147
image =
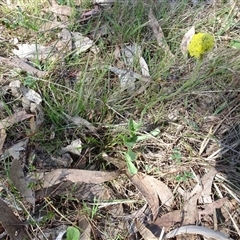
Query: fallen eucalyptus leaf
pixel 14 118
pixel 76 175
pixel 17 177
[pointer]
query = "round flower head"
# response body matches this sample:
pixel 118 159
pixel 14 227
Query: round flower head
pixel 200 44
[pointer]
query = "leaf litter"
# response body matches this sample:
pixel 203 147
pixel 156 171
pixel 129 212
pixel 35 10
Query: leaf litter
pixel 129 54
pixel 14 227
pixel 160 197
pixel 75 175
pixel 17 177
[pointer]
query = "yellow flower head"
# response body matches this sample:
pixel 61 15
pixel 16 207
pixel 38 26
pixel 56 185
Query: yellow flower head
pixel 200 44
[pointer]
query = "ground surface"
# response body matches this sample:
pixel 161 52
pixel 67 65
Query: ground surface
pixel 107 124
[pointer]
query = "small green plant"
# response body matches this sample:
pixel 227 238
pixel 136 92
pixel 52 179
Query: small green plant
pixel 151 169
pixel 176 155
pixel 30 82
pixel 130 157
pixel 131 140
pixel 91 211
pixel 184 176
pixel 73 233
pixel 49 217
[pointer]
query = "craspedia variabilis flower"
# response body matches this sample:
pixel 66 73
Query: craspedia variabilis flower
pixel 200 44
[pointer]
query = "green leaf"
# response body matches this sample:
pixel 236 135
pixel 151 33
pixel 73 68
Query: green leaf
pixel 131 157
pixel 235 44
pixel 73 233
pixel 153 133
pixel 130 141
pixel 133 126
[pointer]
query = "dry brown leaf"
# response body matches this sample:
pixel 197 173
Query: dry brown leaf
pixel 202 193
pixel 209 208
pixel 190 211
pixel 115 208
pixel 54 190
pixel 18 63
pixel 15 118
pixel 144 231
pixel 76 175
pixel 17 177
pixel 145 185
pixel 85 227
pixel 207 180
pixel 119 163
pixel 163 191
pixel 13 226
pixel 81 191
pixel 158 32
pixel 186 39
pixel 169 219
